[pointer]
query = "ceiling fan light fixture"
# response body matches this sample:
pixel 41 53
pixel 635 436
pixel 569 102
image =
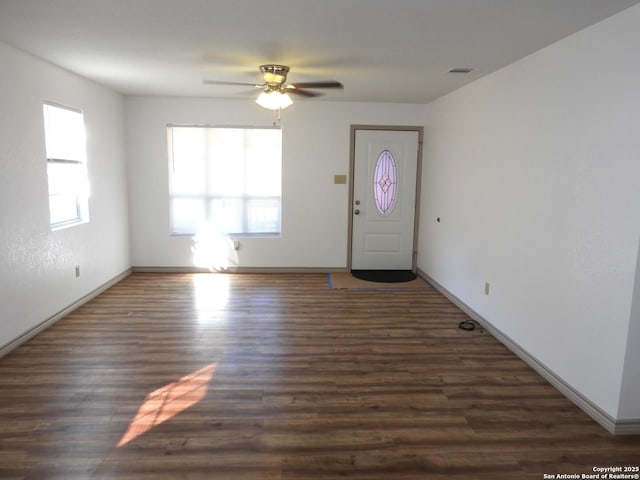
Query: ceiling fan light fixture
pixel 274 100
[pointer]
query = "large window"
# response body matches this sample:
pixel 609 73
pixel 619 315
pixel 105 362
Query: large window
pixel 226 180
pixel 66 166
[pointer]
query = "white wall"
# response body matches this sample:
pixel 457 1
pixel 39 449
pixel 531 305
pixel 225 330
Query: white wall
pixel 535 172
pixel 630 396
pixel 315 148
pixel 37 277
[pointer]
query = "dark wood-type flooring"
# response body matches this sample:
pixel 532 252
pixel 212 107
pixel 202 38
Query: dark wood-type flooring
pixel 275 376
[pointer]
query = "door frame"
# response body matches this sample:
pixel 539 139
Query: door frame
pixel 352 164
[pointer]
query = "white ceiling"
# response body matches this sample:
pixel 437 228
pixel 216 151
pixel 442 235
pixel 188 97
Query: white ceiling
pixel 381 50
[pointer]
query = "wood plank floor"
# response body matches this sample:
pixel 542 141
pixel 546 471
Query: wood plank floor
pixel 210 376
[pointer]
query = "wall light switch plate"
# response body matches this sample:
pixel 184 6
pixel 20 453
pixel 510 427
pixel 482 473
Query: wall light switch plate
pixel 340 179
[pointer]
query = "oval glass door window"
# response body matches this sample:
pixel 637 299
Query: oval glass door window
pixel 385 183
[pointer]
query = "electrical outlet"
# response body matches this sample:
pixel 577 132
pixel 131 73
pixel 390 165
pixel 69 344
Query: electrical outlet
pixel 487 288
pixel 77 271
pixel 236 245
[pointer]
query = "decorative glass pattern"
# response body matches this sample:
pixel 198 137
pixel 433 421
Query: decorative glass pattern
pixel 385 183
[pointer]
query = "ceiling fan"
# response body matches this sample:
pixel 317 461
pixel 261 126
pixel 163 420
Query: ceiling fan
pixel 275 92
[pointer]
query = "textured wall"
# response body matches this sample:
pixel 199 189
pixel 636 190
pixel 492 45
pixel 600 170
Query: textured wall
pixel 534 172
pixel 37 266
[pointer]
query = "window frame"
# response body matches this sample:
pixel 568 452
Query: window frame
pixel 208 197
pixel 76 189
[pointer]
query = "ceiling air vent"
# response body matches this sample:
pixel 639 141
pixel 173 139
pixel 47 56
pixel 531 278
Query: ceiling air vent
pixel 461 70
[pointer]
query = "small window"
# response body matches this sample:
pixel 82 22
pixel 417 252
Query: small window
pixel 66 166
pixel 385 183
pixel 225 179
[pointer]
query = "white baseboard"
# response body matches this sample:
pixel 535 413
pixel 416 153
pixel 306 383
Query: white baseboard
pixel 5 349
pixel 186 269
pixel 611 424
pixel 627 427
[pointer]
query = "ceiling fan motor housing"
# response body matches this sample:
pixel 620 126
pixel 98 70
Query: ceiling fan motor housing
pixel 274 75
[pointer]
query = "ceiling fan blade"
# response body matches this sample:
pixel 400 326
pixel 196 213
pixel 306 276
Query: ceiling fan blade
pixel 322 84
pixel 218 82
pixel 303 93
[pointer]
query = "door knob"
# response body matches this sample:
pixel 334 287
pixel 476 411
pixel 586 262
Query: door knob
pixel 356 212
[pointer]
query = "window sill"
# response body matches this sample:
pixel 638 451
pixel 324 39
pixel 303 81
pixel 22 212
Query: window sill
pixel 63 225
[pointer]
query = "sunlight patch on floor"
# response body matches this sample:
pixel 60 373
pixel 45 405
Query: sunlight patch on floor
pixel 166 402
pixel 211 295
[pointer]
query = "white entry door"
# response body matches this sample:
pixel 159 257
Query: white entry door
pixel 384 199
